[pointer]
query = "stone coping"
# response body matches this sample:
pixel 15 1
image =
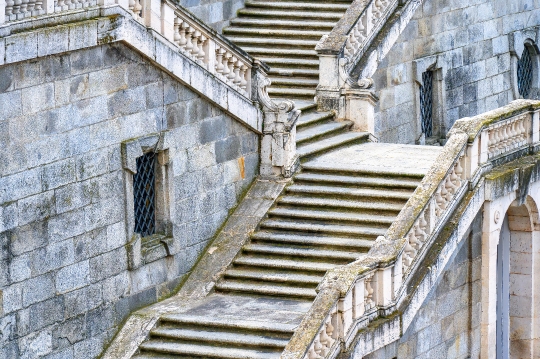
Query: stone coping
pixel 59 33
pixel 473 125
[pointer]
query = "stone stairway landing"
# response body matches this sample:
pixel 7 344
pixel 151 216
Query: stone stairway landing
pixel 283 34
pixel 328 216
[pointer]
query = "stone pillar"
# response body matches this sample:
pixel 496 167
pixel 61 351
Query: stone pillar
pixel 360 109
pixel 278 144
pixel 328 96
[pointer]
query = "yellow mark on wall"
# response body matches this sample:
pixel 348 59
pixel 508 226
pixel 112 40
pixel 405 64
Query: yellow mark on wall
pixel 241 164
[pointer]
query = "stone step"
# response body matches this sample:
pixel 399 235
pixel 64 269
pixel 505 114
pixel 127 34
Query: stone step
pixel 374 194
pixel 292 53
pixel 295 82
pixel 312 133
pixel 274 42
pixel 205 351
pixel 357 179
pixel 333 229
pixel 287 264
pixel 280 33
pixel 186 320
pixel 313 118
pixel 217 337
pixel 286 14
pixel 305 106
pixel 299 72
pixel 272 276
pixel 293 5
pixel 300 63
pixel 325 26
pixel 311 240
pixel 331 216
pixel 288 251
pixel 317 202
pixel 265 289
pixel 292 92
pixel 332 143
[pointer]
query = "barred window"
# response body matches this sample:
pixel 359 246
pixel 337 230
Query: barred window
pixel 525 73
pixel 144 194
pixel 426 103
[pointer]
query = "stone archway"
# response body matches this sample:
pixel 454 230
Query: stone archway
pixel 516 281
pixel 505 219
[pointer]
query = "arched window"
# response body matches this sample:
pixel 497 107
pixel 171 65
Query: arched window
pixel 525 72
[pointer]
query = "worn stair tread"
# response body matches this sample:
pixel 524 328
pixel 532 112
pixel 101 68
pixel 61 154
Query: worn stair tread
pixel 234 338
pixel 315 117
pixel 300 72
pixel 375 193
pixel 229 323
pixel 310 133
pixel 357 180
pixel 265 249
pixel 200 350
pixel 250 31
pixel 266 289
pixel 288 81
pixel 288 238
pixel 331 143
pixel 273 23
pixel 283 263
pixel 305 53
pixel 318 227
pixel 292 5
pixel 272 276
pixel 299 200
pixel 331 215
pixel 290 62
pixel 291 92
pixel 287 14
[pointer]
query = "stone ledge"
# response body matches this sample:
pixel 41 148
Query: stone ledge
pixel 82 29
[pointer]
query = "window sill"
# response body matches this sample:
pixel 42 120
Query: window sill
pixel 144 250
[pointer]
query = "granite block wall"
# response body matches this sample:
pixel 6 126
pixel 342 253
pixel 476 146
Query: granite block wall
pixel 65 284
pixel 448 323
pixel 469 39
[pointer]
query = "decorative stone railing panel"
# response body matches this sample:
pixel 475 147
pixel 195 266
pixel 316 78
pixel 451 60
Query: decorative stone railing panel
pixel 378 284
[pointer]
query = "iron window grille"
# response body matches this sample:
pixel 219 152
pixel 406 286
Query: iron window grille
pixel 525 73
pixel 426 103
pixel 144 194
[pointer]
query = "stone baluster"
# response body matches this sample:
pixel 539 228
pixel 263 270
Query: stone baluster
pixel 368 292
pixel 9 9
pixel 189 39
pixel 31 6
pixel 232 75
pixel 226 70
pixel 16 8
pixel 243 81
pixel 202 54
pixel 219 60
pixel 23 9
pixel 521 130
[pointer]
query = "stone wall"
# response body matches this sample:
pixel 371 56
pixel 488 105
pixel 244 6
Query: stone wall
pixel 215 13
pixel 448 323
pixel 467 43
pixel 64 275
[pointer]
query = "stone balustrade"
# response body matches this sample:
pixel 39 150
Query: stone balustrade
pixel 352 296
pixel 194 39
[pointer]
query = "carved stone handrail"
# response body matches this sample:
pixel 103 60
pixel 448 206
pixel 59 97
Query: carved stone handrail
pixel 353 33
pixel 350 297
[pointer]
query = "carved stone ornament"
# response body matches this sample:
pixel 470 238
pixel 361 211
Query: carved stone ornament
pixel 365 83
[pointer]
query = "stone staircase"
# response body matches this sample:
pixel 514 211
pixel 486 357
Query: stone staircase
pixel 328 216
pixel 284 34
pixel 317 132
